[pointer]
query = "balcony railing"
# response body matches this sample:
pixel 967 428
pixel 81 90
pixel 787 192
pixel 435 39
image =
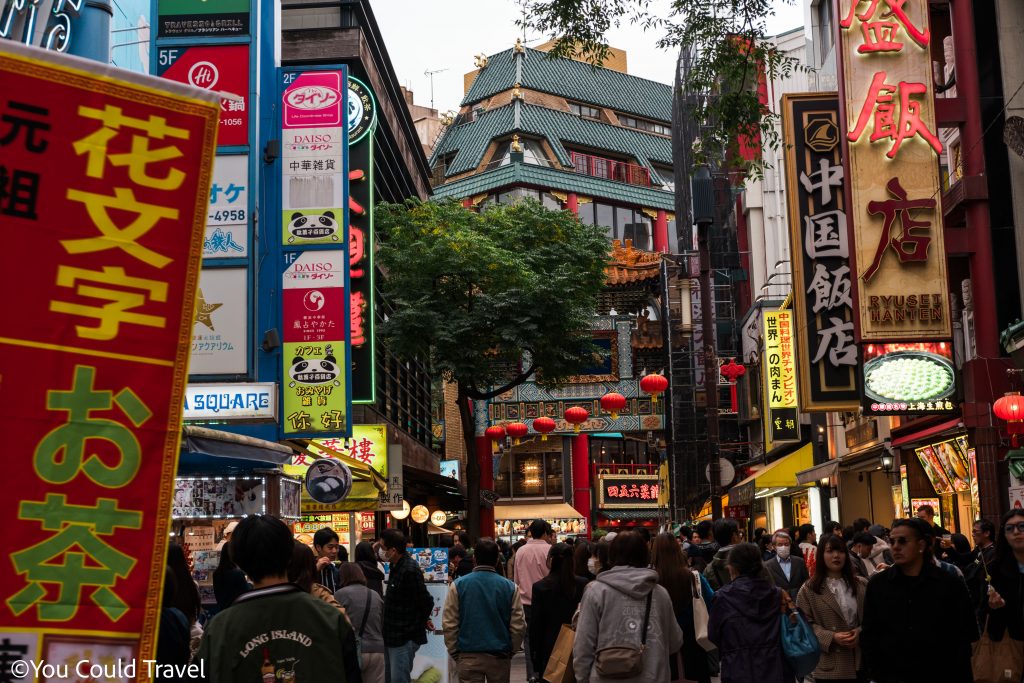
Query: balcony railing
pixel 609 169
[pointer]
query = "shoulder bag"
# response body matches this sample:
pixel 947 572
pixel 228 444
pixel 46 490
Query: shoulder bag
pixel 700 616
pixel 624 661
pixel 799 644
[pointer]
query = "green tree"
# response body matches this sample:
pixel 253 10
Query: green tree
pixel 726 51
pixel 490 299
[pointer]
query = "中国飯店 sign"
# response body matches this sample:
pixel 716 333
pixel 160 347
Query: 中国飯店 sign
pixel 892 171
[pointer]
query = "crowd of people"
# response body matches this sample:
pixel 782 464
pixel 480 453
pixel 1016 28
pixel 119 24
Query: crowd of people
pixel 892 605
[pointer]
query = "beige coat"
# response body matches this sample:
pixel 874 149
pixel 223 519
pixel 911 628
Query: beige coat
pixel 825 617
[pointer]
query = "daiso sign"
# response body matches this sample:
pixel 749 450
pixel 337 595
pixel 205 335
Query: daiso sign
pixel 314 100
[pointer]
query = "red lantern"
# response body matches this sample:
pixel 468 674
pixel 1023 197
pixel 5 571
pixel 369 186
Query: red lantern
pixel 544 426
pixel 653 385
pixel 613 403
pixel 1011 408
pixel 517 430
pixel 495 433
pixel 576 416
pixel 732 371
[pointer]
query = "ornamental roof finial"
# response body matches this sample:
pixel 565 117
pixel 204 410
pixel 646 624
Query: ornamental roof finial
pixel 519 48
pixel 516 147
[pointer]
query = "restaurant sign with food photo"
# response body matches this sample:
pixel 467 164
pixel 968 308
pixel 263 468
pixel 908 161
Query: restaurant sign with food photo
pixel 910 378
pixel 946 465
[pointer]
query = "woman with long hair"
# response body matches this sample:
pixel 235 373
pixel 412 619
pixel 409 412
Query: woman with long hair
pixel 833 602
pixel 581 552
pixel 745 624
pixel 365 608
pixel 302 572
pixel 228 580
pixel 555 598
pixel 366 558
pixel 1004 610
pixel 675 576
pixel 186 594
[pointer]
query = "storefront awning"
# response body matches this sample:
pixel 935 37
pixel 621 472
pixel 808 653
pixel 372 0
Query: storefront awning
pixel 422 486
pixel 780 474
pixel 629 515
pixel 925 434
pixel 536 511
pixel 814 474
pixel 206 450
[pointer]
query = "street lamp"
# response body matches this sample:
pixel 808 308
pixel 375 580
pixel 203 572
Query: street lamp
pixel 886 460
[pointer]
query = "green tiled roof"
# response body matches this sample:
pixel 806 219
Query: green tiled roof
pixel 470 140
pixel 573 80
pixel 554 179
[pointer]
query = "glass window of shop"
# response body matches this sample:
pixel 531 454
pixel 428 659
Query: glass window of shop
pixel 620 223
pixel 515 194
pixel 626 452
pixel 530 475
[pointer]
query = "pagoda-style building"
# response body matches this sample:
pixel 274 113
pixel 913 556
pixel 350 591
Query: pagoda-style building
pixel 595 142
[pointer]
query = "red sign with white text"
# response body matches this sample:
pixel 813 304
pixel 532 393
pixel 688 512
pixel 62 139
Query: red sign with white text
pixel 104 181
pixel 222 69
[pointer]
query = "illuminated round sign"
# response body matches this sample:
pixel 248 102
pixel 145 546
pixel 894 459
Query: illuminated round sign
pixel 328 481
pixel 438 517
pixel 420 514
pixel 403 513
pixel 362 110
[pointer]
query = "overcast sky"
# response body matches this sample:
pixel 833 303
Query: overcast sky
pixel 431 35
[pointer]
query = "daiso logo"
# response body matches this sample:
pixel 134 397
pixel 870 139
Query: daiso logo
pixel 312 97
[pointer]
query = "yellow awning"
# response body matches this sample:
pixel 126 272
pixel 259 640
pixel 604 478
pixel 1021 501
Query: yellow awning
pixel 782 472
pixel 536 511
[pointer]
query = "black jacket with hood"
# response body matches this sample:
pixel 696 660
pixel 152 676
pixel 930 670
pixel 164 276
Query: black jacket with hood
pixel 744 624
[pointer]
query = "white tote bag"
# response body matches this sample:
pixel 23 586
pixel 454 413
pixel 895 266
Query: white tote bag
pixel 700 617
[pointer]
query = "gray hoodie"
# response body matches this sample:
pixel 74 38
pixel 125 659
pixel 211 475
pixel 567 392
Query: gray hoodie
pixel 612 613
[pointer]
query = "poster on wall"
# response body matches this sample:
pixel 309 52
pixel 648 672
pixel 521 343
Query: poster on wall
pixel 180 18
pixel 222 69
pixel 780 385
pixel 430 664
pixel 972 463
pixel 905 486
pixel 220 325
pixel 933 470
pixel 909 378
pixel 900 286
pixel 916 503
pixel 822 302
pixel 362 120
pixel 99 272
pixel 227 217
pixel 315 355
pixel 314 153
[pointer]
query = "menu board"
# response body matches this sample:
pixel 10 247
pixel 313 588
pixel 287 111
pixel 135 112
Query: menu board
pixel 917 503
pixel 433 563
pixel 954 463
pixel 934 471
pixel 196 497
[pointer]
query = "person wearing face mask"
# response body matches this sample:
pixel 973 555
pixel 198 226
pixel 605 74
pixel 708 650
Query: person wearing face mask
pixel 407 607
pixel 788 571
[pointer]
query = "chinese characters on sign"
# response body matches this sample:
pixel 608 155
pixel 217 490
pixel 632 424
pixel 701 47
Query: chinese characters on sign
pixel 102 179
pixel 780 385
pixel 227 218
pixel 892 175
pixel 823 289
pixel 368 445
pixel 316 368
pixel 628 491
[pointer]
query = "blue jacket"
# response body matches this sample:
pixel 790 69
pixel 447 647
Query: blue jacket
pixel 483 613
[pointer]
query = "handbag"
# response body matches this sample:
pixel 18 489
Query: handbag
pixel 700 617
pixel 559 666
pixel 799 644
pixel 992 660
pixel 624 661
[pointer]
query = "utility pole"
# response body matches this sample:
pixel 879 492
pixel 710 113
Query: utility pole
pixel 703 193
pixel 430 73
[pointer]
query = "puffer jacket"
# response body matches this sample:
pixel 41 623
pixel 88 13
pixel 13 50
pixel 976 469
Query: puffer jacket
pixel 612 614
pixel 880 553
pixel 744 624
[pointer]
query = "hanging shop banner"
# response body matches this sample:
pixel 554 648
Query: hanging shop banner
pixel 909 379
pixel 933 470
pixel 313 158
pixel 220 324
pixel 227 217
pixel 180 18
pixel 628 491
pixel 105 177
pixel 949 460
pixel 972 463
pixel 892 171
pixel 822 288
pixel 223 69
pixel 368 445
pixel 783 421
pixel 316 367
pixel 905 485
pixel 451 469
pixel 362 120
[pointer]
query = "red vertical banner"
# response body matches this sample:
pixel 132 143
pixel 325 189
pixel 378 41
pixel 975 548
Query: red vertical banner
pixel 104 181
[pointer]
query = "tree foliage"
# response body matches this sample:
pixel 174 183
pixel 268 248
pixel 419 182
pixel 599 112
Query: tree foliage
pixel 474 292
pixel 727 52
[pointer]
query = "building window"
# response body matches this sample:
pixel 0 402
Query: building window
pixel 585 111
pixel 641 124
pixel 530 475
pixel 533 153
pixel 604 215
pixel 668 178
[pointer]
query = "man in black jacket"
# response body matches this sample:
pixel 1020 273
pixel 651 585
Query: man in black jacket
pixel 788 571
pixel 916 607
pixel 407 607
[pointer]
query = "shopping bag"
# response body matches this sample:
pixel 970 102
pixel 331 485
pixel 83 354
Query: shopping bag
pixel 700 617
pixel 997 661
pixel 559 666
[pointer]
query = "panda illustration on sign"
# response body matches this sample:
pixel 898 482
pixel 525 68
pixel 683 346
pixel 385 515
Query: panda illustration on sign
pixel 313 226
pixel 314 370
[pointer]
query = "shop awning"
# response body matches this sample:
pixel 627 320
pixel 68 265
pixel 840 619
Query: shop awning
pixel 629 515
pixel 925 434
pixel 537 511
pixel 814 474
pixel 206 450
pixel 782 472
pixel 422 486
